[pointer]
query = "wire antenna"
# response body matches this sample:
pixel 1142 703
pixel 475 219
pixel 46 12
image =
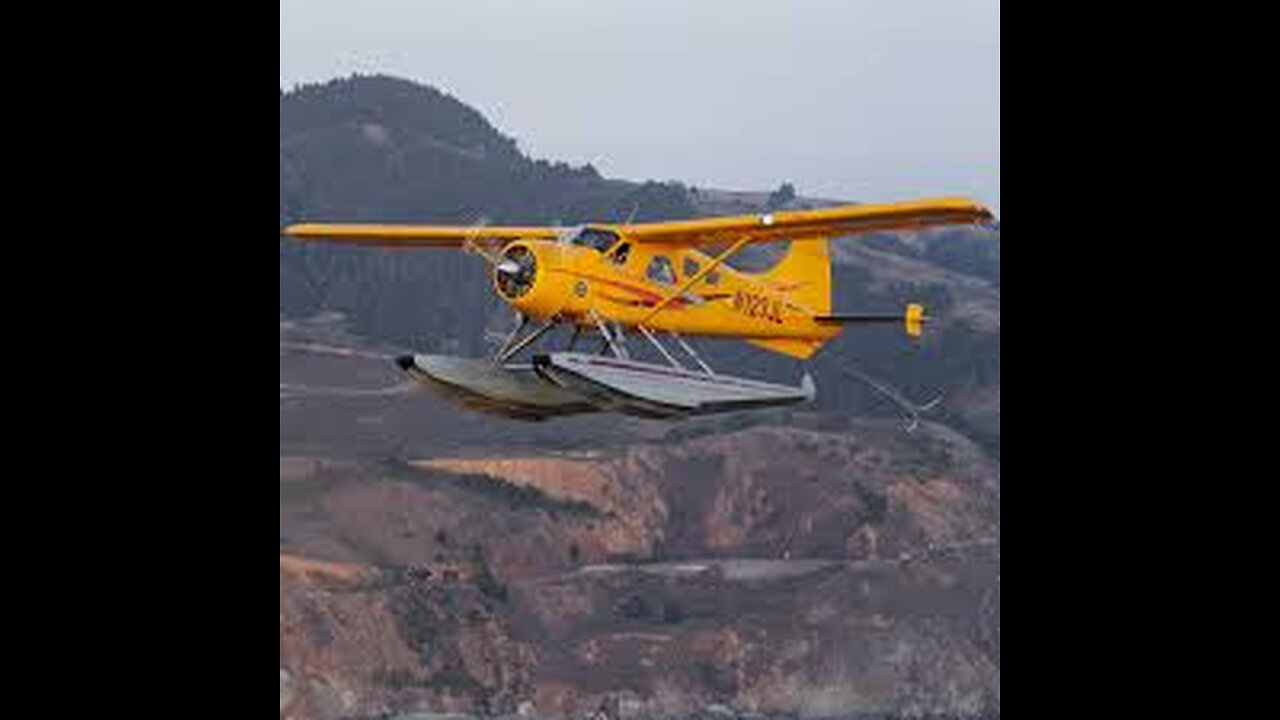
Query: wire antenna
pixel 912 410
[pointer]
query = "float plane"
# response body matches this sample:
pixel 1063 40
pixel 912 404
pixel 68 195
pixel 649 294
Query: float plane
pixel 650 282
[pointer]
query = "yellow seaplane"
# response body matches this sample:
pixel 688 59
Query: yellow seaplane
pixel 648 281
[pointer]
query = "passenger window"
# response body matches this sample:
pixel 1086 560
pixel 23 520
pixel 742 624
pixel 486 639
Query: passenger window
pixel 691 267
pixel 712 278
pixel 660 270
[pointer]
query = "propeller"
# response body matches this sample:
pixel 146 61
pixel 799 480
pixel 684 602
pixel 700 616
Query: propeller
pixel 472 245
pixel 515 271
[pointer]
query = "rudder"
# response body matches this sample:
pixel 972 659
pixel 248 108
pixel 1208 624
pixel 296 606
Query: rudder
pixel 804 274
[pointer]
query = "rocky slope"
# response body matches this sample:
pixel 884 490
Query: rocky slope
pixel 768 570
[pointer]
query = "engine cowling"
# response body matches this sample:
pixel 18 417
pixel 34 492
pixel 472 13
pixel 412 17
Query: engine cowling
pixel 529 276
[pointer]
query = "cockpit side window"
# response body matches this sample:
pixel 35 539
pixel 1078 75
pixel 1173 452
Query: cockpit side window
pixel 619 256
pixel 661 270
pixel 597 239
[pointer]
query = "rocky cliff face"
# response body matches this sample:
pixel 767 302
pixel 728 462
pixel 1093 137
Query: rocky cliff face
pixel 769 570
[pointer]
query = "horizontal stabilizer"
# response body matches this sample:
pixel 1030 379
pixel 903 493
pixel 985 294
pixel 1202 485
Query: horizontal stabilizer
pixel 855 318
pixel 913 319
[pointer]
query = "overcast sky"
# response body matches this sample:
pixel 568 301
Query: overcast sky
pixel 864 100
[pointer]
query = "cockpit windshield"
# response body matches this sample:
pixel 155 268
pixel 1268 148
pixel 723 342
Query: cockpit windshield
pixel 596 238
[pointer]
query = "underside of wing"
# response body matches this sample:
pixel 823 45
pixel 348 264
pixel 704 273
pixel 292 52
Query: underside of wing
pixel 406 236
pixel 826 222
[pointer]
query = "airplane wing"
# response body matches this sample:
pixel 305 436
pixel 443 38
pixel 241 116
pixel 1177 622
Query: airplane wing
pixel 827 222
pixel 770 227
pixel 407 236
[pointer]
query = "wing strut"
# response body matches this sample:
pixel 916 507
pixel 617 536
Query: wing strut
pixel 615 344
pixel 689 349
pixel 649 336
pixel 513 349
pixel 719 259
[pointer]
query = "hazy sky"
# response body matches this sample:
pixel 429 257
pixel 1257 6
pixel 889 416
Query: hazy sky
pixel 865 100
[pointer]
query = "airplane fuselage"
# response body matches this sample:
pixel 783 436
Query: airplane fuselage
pixel 597 274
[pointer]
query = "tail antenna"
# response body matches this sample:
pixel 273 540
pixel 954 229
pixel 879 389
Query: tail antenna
pixel 912 410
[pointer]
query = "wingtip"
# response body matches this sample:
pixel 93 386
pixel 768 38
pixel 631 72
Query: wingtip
pixel 305 231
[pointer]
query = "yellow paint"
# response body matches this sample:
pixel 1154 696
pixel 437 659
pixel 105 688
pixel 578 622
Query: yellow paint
pixel 412 235
pixel 774 309
pixel 774 304
pixel 692 280
pixel 915 319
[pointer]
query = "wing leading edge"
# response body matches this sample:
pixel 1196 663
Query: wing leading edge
pixel 441 236
pixel 779 226
pixel 831 222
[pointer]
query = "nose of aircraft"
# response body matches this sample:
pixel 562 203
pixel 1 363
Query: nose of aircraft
pixel 516 271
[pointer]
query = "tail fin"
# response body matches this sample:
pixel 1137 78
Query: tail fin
pixel 804 276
